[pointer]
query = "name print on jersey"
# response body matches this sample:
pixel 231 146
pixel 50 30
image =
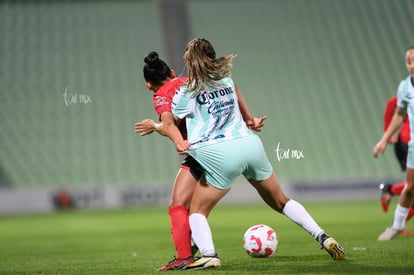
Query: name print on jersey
pixel 204 98
pixel 219 108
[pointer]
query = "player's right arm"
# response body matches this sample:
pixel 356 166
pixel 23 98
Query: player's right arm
pixel 145 127
pixel 388 115
pixel 148 126
pixel 252 122
pixel 395 124
pixel 167 127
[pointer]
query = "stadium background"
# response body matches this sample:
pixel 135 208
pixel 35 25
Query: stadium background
pixel 72 88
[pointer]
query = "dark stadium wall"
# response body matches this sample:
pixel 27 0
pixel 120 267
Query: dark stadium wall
pixel 72 85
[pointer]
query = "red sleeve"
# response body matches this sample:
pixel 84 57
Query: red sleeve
pixel 162 103
pixel 163 97
pixel 389 111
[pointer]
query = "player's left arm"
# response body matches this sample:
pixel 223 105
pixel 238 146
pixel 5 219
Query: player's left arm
pixel 252 123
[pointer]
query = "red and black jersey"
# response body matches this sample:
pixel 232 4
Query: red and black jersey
pixel 163 99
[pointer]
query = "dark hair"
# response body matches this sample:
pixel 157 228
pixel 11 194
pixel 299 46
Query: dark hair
pixel 156 71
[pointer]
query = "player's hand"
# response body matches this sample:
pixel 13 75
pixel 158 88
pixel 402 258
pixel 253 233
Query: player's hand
pixel 255 123
pixel 379 148
pixel 393 139
pixel 182 147
pixel 145 127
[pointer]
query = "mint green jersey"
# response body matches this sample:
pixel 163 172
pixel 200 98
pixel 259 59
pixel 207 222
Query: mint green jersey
pixel 212 115
pixel 405 99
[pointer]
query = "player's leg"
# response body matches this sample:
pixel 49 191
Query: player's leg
pixel 397 188
pixel 185 182
pixel 178 211
pixel 402 208
pixel 392 189
pixel 386 195
pixel 406 200
pixel 272 194
pixel 387 191
pixel 204 199
pixel 410 214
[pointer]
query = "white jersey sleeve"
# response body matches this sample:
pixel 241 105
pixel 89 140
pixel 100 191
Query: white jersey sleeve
pixel 405 100
pixel 403 96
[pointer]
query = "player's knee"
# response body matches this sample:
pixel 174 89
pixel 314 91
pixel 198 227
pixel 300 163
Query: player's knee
pixel 176 203
pixel 279 204
pixel 409 192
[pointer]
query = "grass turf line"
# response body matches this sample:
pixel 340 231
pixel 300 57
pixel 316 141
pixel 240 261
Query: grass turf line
pixel 138 241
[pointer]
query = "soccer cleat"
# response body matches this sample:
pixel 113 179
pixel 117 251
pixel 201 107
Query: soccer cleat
pixel 406 232
pixel 389 234
pixel 331 246
pixel 177 263
pixel 204 262
pixel 385 196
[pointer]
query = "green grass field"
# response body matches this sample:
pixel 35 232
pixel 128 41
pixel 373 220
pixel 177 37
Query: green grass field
pixel 137 241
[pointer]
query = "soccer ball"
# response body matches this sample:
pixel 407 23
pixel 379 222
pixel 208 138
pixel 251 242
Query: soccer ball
pixel 260 241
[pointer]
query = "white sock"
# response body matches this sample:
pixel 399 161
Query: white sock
pixel 400 215
pixel 298 214
pixel 201 234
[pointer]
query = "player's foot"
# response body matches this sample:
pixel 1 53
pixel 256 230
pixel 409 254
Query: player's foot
pixel 331 246
pixel 385 196
pixel 204 262
pixel 406 232
pixel 389 234
pixel 177 263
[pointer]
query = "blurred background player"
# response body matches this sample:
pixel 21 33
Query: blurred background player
pixel 405 107
pixel 400 140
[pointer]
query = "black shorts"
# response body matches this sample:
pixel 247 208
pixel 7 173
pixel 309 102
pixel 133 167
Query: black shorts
pixel 190 164
pixel 401 151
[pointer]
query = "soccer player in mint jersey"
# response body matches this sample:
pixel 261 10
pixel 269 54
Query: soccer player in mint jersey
pixel 163 82
pixel 400 141
pixel 224 146
pixel 405 107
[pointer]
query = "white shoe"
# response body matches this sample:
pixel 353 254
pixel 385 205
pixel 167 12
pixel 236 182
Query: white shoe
pixel 334 249
pixel 389 234
pixel 204 262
